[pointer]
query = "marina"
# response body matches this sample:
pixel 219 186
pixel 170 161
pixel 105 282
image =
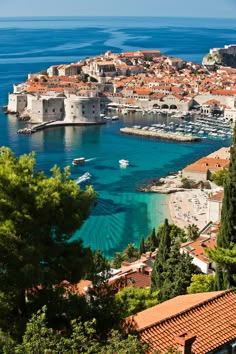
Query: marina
pixel 154 133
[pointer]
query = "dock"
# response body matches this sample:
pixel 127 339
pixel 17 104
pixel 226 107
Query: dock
pixel 173 136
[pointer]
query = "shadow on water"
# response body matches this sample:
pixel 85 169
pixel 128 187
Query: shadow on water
pixel 107 207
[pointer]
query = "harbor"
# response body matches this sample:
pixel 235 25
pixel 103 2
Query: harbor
pixel 160 134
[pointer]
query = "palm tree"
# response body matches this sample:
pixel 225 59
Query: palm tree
pixel 192 231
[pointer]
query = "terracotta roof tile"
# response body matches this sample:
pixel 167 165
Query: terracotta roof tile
pixel 208 316
pixel 218 197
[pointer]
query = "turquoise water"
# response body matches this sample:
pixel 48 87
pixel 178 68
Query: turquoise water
pixel 122 214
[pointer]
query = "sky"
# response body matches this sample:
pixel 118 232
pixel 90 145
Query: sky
pixel 179 8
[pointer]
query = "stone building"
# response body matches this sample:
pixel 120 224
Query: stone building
pixel 17 102
pixel 45 108
pixel 82 110
pixel 70 109
pixel 214 206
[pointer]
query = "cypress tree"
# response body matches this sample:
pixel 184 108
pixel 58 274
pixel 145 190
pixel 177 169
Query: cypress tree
pixel 161 257
pixel 225 272
pixel 151 241
pixel 142 246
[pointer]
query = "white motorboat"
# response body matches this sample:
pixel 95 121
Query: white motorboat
pixel 123 163
pixel 83 178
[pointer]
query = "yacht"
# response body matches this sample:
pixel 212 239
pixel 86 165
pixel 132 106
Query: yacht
pixel 78 161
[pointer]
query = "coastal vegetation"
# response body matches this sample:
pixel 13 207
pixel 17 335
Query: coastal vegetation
pixel 172 271
pixel 225 255
pixel 201 283
pixel 219 177
pixel 38 215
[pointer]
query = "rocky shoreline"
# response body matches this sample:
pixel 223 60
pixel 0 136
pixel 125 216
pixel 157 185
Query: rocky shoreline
pixel 160 135
pixel 164 185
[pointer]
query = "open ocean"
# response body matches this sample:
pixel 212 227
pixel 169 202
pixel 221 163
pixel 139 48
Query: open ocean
pixel 122 214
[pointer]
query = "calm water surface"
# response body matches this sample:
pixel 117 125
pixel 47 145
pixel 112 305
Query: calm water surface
pixel 122 215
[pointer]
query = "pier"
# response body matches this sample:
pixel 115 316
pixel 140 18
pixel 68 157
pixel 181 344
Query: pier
pixel 160 135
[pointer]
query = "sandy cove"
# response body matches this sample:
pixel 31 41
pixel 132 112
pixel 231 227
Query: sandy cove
pixel 189 207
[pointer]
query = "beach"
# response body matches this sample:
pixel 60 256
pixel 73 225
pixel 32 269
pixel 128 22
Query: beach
pixel 189 207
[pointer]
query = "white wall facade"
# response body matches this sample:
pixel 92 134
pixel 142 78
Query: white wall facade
pixel 42 109
pixel 16 102
pixel 84 110
pixel 195 175
pixel 213 210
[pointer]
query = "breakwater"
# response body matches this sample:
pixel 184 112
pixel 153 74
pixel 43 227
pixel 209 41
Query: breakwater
pixel 160 135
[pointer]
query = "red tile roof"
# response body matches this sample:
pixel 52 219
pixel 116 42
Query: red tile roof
pixel 211 317
pixel 207 163
pixel 197 248
pixel 218 197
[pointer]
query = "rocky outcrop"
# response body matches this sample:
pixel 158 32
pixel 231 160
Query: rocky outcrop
pixel 220 57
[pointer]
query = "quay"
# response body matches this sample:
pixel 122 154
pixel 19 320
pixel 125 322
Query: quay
pixel 51 124
pixel 160 135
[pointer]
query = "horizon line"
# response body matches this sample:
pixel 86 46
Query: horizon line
pixel 95 16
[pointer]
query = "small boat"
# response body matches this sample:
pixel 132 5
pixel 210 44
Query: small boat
pixel 78 161
pixel 124 163
pixel 83 178
pixel 114 118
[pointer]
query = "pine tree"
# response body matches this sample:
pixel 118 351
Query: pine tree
pixel 225 271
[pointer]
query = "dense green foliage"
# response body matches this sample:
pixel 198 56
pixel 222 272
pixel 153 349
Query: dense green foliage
pixel 226 240
pixel 172 271
pixel 219 177
pixel 192 232
pixel 40 339
pixel 133 300
pixel 130 254
pixel 38 216
pixel 201 283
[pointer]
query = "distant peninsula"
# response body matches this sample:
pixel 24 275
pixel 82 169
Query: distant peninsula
pixel 144 80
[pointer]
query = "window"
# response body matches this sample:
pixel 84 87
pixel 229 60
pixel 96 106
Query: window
pixel 60 109
pixel 83 112
pixel 46 111
pixel 53 110
pixel 72 106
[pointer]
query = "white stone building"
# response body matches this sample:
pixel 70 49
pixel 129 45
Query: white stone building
pixel 214 206
pixel 82 110
pixel 17 102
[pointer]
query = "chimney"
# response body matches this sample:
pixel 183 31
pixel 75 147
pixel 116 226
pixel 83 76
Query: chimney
pixel 185 342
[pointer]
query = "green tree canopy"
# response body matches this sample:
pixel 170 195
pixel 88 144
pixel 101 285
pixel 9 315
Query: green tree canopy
pixel 219 177
pixel 38 216
pixel 172 270
pixel 133 300
pixel 201 283
pixel 226 271
pixel 40 339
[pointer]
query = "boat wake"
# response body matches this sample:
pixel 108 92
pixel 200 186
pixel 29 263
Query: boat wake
pixel 93 158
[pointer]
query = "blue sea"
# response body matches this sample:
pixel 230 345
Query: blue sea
pixel 123 214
